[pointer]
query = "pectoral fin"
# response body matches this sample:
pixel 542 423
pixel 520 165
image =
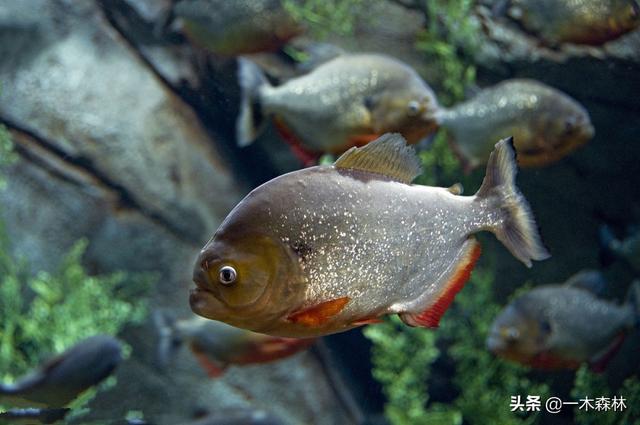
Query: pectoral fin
pixel 318 314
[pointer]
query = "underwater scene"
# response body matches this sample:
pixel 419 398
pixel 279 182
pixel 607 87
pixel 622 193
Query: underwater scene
pixel 301 212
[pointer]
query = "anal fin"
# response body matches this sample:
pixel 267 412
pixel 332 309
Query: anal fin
pixel 318 314
pixel 212 369
pixel 430 318
pixel 298 149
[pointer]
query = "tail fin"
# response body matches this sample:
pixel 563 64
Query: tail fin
pixel 168 341
pixel 251 119
pixel 517 229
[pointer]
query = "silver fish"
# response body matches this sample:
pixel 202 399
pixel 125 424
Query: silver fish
pixel 63 378
pixel 329 248
pixel 563 326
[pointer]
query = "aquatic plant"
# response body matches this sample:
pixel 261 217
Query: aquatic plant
pixel 7 156
pixel 448 40
pixel 324 17
pixel 589 385
pixel 403 357
pixel 49 312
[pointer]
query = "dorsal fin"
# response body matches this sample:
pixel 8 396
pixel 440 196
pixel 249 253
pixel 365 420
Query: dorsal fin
pixel 388 155
pixel 589 280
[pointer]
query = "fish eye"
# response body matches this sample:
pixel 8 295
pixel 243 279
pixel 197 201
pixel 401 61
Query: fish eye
pixel 227 275
pixel 512 334
pixel 413 108
pixel 570 125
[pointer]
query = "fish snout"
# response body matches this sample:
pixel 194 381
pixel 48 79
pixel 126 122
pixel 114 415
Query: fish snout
pixel 201 270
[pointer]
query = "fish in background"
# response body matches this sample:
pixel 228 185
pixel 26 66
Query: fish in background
pixel 590 22
pixel 33 416
pixel 545 123
pixel 62 379
pixel 347 101
pixel 561 326
pixel 329 248
pixel 231 28
pixel 217 345
pixel 627 249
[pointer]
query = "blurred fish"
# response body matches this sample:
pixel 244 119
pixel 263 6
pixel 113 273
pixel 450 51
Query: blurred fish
pixel 328 248
pixel 347 101
pixel 217 345
pixel 591 22
pixel 545 123
pixel 32 416
pixel 237 27
pixel 238 417
pixel 563 326
pixel 627 249
pixel 63 378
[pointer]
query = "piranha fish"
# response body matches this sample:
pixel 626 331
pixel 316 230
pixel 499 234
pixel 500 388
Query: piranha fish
pixel 231 28
pixel 217 345
pixel 627 249
pixel 546 124
pixel 328 248
pixel 347 101
pixel 62 379
pixel 562 326
pixel 591 22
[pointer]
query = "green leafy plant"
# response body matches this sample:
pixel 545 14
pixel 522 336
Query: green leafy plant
pixel 592 386
pixel 326 16
pixel 7 155
pixel 403 358
pixel 48 313
pixel 448 41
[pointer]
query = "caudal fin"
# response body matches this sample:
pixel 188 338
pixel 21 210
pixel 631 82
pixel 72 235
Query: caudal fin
pixel 251 119
pixel 168 342
pixel 516 228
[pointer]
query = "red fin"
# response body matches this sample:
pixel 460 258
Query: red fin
pixel 362 139
pixel 307 157
pixel 213 370
pixel 551 361
pixel 599 364
pixel 367 321
pixel 430 318
pixel 275 349
pixel 318 314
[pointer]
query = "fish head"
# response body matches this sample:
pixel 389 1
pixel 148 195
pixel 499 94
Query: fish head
pixel 410 111
pixel 566 126
pixel 518 336
pixel 244 278
pixel 627 14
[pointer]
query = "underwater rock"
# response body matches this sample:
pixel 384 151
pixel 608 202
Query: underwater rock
pixel 108 151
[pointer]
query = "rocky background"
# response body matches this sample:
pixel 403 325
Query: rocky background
pixel 125 137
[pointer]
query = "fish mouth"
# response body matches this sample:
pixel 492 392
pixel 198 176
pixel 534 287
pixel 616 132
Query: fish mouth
pixel 203 301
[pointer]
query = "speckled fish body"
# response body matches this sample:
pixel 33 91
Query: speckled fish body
pixel 62 379
pixel 560 326
pixel 218 345
pixel 545 123
pixel 347 101
pixel 237 27
pixel 592 22
pixel 348 245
